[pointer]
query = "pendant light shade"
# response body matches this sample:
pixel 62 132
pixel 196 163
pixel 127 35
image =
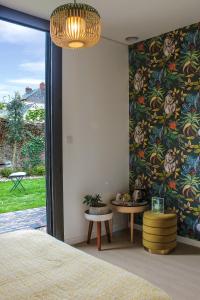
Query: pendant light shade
pixel 75 25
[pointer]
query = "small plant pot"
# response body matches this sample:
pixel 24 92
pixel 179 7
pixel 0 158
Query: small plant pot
pixel 99 210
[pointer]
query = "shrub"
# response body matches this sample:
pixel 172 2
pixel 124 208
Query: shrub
pixel 31 152
pixel 38 171
pixel 6 172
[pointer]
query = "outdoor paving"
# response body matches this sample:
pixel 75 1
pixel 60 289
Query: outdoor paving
pixel 26 219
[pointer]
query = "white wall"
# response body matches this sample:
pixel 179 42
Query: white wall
pixel 95 130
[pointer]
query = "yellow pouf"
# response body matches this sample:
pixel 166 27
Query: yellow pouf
pixel 159 232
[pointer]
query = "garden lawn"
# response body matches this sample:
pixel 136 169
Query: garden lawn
pixel 33 196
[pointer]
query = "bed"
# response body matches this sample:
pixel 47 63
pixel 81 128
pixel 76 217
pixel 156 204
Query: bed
pixel 36 266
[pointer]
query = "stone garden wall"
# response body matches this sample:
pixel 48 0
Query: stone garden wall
pixel 6 149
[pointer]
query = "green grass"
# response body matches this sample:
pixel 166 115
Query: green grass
pixel 33 196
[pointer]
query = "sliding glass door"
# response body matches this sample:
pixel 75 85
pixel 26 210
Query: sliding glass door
pixel 22 123
pixel 33 115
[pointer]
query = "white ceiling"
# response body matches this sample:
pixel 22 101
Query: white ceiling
pixel 122 18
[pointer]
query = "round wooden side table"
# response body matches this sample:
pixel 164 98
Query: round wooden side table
pixel 99 219
pixel 131 210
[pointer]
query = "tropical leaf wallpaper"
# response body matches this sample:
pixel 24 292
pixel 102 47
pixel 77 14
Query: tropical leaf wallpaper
pixel 165 122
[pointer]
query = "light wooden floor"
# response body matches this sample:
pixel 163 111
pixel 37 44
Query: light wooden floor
pixel 178 273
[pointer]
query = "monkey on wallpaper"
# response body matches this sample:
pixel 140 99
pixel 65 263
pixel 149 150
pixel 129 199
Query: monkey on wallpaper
pixel 139 134
pixel 170 162
pixel 138 182
pixel 169 46
pixel 138 80
pixel 170 104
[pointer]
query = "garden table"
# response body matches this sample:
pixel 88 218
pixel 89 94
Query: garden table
pixel 17 180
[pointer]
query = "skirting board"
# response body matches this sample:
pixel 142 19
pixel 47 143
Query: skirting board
pixel 180 239
pixel 81 239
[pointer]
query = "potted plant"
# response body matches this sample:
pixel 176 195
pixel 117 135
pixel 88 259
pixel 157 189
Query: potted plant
pixel 96 206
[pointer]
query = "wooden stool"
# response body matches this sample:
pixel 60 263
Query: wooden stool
pixel 159 232
pixel 99 219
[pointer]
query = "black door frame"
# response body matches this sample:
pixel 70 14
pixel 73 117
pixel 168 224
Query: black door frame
pixel 54 164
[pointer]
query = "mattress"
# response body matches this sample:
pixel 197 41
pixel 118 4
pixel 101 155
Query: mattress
pixel 34 265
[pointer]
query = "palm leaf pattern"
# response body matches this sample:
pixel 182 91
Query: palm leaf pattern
pixel 166 149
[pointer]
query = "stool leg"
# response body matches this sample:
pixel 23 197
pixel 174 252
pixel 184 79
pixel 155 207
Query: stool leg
pixel 108 231
pixel 132 227
pixel 89 231
pixel 111 228
pixel 99 236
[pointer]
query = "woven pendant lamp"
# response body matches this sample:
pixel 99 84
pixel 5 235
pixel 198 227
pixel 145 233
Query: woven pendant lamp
pixel 75 25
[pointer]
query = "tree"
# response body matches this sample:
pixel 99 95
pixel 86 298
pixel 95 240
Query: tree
pixel 15 126
pixel 36 115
